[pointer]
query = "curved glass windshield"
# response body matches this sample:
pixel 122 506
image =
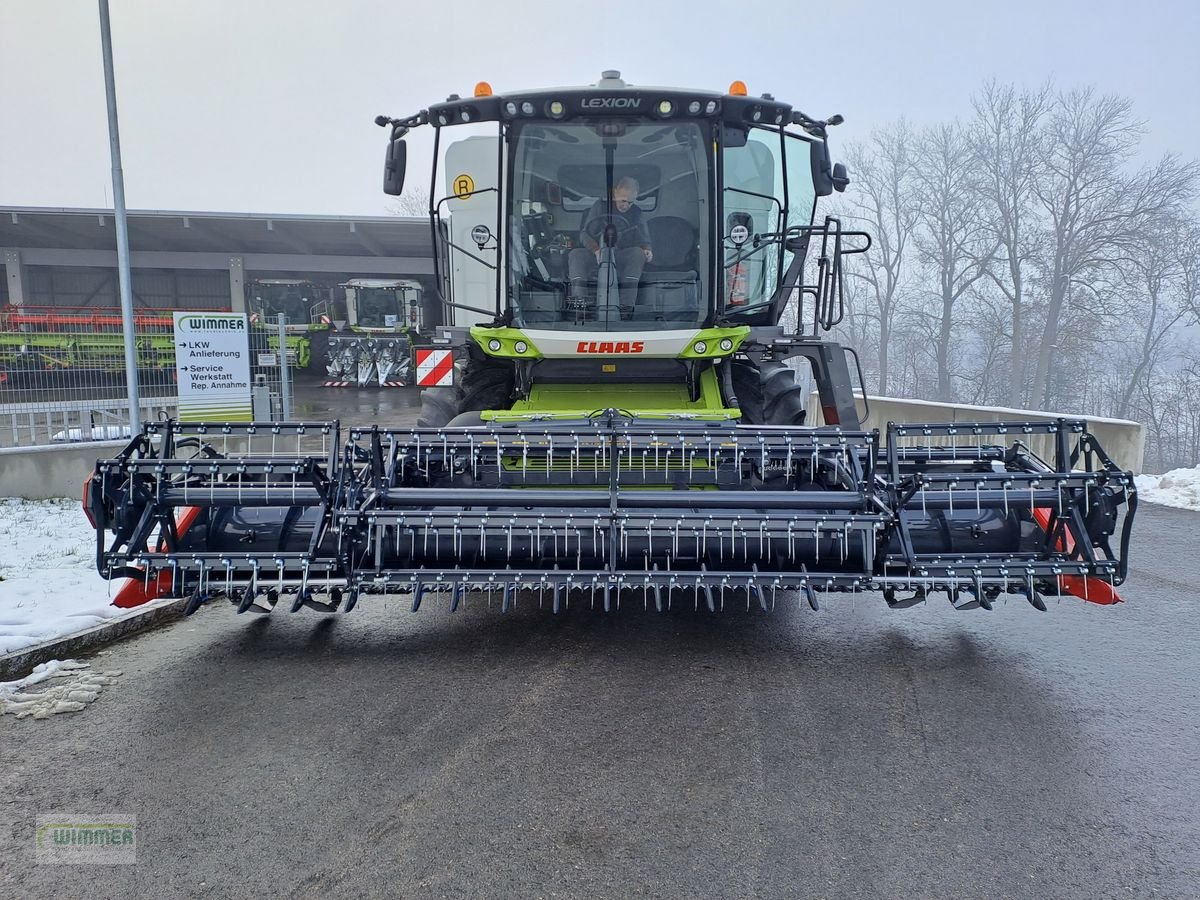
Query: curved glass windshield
pixel 379 307
pixel 610 223
pixel 293 300
pixel 758 207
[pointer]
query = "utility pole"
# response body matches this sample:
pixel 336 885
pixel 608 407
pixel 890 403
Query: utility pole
pixel 114 143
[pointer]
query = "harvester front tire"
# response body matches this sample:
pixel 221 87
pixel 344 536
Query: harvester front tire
pixel 768 394
pixel 438 406
pixel 318 352
pixel 484 384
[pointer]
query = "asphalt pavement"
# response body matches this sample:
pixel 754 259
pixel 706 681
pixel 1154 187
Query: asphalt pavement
pixel 851 752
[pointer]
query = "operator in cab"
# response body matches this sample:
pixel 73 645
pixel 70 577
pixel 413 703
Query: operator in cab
pixel 617 224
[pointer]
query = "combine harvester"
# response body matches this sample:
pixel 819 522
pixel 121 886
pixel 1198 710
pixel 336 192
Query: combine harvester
pixel 375 348
pixel 309 318
pixel 622 421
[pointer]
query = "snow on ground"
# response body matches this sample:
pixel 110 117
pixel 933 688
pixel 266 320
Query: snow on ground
pixel 99 433
pixel 49 585
pixel 1179 488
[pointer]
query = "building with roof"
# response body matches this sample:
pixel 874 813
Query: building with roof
pixel 197 260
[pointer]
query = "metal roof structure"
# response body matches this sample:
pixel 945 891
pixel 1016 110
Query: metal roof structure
pixel 68 256
pixel 215 232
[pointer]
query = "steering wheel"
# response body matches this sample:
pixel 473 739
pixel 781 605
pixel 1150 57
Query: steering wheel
pixel 595 229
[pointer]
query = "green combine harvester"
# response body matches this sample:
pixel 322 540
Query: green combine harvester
pixel 636 286
pixel 310 317
pixel 383 318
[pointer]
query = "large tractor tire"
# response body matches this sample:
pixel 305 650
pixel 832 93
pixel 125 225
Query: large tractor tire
pixel 767 393
pixel 438 406
pixel 483 384
pixel 318 351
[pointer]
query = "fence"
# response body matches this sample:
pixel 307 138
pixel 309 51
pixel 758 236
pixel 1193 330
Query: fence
pixel 62 372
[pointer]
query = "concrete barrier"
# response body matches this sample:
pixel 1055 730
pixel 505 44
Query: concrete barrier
pixel 1123 440
pixel 57 470
pixel 40 473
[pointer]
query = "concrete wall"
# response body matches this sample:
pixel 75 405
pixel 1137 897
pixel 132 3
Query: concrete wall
pixel 40 473
pixel 1123 440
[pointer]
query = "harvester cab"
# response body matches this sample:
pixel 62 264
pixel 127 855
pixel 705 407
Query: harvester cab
pixel 383 306
pixel 383 317
pixel 627 276
pixel 308 316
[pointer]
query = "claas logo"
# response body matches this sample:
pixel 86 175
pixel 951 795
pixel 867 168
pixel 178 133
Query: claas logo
pixel 610 347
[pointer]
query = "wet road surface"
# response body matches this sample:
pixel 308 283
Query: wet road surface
pixel 355 406
pixel 852 752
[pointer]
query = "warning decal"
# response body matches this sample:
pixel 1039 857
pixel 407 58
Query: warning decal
pixel 464 186
pixel 435 368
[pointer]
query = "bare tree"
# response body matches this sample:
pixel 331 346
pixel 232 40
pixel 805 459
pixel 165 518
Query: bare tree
pixel 1093 209
pixel 413 202
pixel 884 202
pixel 954 242
pixel 1162 277
pixel 1021 259
pixel 1005 133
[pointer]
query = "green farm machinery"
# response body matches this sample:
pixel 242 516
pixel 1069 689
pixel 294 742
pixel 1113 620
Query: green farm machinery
pixel 633 398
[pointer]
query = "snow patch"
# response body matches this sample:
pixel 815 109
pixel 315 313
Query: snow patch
pixel 1179 488
pixel 98 433
pixel 73 689
pixel 49 586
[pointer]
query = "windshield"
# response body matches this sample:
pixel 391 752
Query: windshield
pixel 294 301
pixel 378 307
pixel 758 203
pixel 609 225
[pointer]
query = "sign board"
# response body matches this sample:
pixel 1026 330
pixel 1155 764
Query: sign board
pixel 212 366
pixel 268 360
pixel 435 368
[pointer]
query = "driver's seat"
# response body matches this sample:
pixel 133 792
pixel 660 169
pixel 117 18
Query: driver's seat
pixel 670 284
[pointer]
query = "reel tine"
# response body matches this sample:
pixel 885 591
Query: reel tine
pixel 248 596
pixel 559 590
pixel 418 593
pixel 708 594
pixel 807 589
pixel 198 599
pixel 980 594
pixel 761 594
pixel 1031 594
pixel 507 599
pixel 457 595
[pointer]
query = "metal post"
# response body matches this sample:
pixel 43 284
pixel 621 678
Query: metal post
pixel 114 143
pixel 285 389
pixel 16 277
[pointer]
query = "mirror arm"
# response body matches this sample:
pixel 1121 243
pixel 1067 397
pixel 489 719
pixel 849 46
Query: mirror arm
pixel 401 127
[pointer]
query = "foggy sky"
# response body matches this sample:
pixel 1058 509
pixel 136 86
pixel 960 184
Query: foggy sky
pixel 266 106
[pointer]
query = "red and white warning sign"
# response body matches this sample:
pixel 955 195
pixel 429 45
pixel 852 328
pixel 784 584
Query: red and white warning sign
pixel 435 368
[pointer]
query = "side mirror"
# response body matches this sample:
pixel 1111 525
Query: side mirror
pixel 841 177
pixel 822 177
pixel 393 167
